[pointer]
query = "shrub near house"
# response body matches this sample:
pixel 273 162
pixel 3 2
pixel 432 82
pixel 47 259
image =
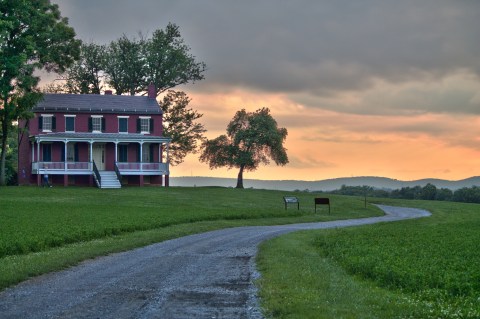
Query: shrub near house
pixel 82 139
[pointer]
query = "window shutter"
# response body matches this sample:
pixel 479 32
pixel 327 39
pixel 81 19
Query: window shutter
pixel 151 154
pixel 139 155
pixel 138 126
pixel 151 126
pixel 40 123
pixel 90 125
pixel 54 123
pixel 63 155
pixel 103 124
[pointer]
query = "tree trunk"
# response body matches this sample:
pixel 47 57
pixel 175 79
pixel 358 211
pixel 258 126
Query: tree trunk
pixel 240 177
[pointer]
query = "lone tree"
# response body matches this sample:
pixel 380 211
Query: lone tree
pixel 252 138
pixel 32 35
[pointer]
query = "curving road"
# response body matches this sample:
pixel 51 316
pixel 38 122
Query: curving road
pixel 207 275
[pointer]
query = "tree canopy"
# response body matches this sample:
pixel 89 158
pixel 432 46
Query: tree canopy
pixel 129 65
pixel 180 124
pixel 33 35
pixel 252 138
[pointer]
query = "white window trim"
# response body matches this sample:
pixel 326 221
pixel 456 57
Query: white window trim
pixel 145 118
pixel 69 115
pixel 97 117
pixel 118 121
pixel 43 121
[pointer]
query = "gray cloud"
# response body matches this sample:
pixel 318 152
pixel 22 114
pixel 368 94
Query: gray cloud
pixel 308 48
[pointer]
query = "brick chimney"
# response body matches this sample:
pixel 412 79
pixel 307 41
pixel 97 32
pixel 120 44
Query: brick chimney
pixel 151 91
pixel 108 92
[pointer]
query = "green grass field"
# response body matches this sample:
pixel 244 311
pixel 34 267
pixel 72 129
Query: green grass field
pixel 43 229
pixel 426 268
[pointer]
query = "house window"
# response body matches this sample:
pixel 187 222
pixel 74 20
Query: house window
pixel 47 152
pixel 46 123
pixel 71 152
pixel 123 125
pixel 123 153
pixel 146 153
pixel 144 125
pixel 96 124
pixel 69 123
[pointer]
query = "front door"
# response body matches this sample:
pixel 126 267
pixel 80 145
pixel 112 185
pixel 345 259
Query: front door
pixel 99 156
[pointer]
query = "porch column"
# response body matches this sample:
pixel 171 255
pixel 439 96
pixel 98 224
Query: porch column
pixel 160 152
pixel 116 152
pixel 141 156
pixel 65 176
pixel 33 152
pixel 38 151
pixel 38 164
pixel 90 179
pixel 141 163
pixel 167 177
pixel 168 156
pixel 91 151
pixel 66 156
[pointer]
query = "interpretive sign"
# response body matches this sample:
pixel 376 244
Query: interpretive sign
pixel 322 201
pixel 291 200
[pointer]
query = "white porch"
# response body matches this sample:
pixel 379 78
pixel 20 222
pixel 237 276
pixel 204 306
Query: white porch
pixel 95 156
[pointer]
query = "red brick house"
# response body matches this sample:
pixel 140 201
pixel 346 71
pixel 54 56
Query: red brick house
pixel 90 139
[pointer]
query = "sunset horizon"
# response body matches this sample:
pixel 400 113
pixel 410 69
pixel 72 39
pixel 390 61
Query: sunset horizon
pixel 378 89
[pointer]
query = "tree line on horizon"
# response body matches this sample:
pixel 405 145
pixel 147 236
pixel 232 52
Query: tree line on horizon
pixel 427 192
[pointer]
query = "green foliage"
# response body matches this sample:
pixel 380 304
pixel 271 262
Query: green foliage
pixel 297 282
pixel 168 61
pixel 431 265
pixel 85 75
pixel 252 138
pixel 129 65
pixel 180 124
pixel 33 35
pixel 125 65
pixel 428 192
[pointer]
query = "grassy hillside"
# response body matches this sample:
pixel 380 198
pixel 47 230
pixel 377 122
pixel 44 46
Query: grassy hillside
pixel 426 268
pixel 47 229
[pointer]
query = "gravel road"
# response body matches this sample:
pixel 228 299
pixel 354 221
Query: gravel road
pixel 207 275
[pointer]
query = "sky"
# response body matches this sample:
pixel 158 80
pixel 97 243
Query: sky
pixel 365 88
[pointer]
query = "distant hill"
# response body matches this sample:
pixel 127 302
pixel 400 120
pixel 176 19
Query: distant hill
pixel 324 185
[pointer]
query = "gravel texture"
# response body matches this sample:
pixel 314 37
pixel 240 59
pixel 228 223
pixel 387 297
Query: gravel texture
pixel 207 275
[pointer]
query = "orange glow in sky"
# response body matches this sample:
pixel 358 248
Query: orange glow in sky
pixel 327 144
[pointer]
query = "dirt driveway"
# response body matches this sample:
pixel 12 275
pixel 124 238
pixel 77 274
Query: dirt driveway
pixel 207 275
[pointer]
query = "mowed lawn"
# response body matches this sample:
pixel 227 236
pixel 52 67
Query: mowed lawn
pixel 425 268
pixel 46 229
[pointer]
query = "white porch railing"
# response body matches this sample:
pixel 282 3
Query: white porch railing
pixel 52 167
pixel 87 168
pixel 143 168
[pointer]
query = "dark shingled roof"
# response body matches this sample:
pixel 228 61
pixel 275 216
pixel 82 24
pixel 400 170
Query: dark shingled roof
pixel 96 103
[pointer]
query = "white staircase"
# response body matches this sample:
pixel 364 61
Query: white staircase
pixel 108 180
